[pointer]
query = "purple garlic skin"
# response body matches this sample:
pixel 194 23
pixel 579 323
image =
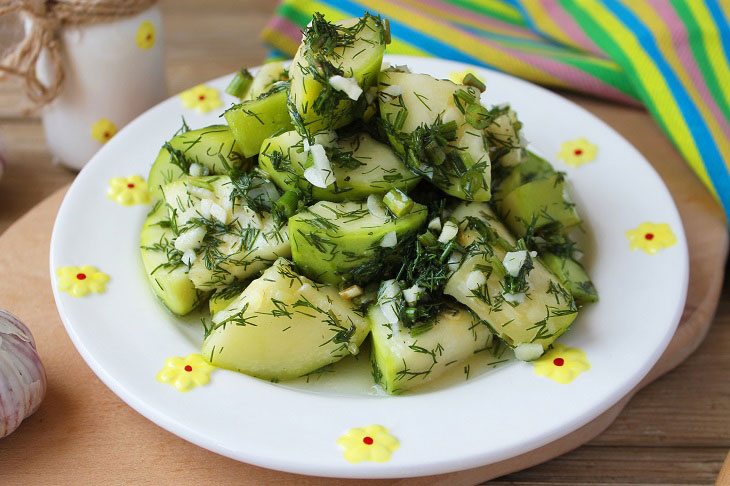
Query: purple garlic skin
pixel 22 376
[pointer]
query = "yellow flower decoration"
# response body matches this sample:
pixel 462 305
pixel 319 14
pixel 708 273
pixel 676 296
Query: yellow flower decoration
pixel 458 76
pixel 145 35
pixel 651 237
pixel 185 373
pixel 577 152
pixel 128 191
pixel 103 130
pixel 80 281
pixel 201 98
pixel 372 443
pixel 562 364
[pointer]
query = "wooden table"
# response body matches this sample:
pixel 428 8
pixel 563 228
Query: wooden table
pixel 676 431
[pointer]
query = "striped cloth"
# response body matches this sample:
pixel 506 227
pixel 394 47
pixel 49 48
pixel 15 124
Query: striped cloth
pixel 672 56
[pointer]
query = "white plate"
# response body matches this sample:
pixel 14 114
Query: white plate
pixel 125 335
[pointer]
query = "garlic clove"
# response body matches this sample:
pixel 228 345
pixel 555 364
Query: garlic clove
pixel 22 376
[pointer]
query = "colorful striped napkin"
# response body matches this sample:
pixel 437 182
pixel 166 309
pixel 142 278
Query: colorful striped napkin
pixel 673 56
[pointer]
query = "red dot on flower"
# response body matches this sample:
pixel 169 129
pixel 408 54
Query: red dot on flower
pixel 367 440
pixel 107 134
pixel 558 361
pixel 188 368
pixel 649 236
pixel 149 36
pixel 578 151
pixel 201 97
pixel 81 276
pixel 130 185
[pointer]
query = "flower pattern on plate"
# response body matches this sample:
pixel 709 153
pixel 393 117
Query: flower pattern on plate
pixel 372 443
pixel 577 152
pixel 145 38
pixel 201 98
pixel 651 237
pixel 80 281
pixel 562 364
pixel 128 191
pixel 185 373
pixel 103 130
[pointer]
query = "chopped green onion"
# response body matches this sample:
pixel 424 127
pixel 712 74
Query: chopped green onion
pixel 465 96
pixel 400 119
pixel 412 158
pixel 471 80
pixel 398 202
pixel 427 239
pixel 448 130
pixel 287 203
pixel 477 116
pixel 410 314
pixel 240 84
pixel 201 184
pixel 435 153
pixel 447 251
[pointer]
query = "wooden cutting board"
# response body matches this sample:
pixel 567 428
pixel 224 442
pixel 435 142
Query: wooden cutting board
pixel 84 434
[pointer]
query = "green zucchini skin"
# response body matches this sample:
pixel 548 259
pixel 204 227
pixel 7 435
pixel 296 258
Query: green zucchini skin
pixel 330 240
pixel 203 146
pixel 252 121
pixel 170 283
pixel 376 168
pixel 532 168
pixel 533 189
pixel 573 277
pixel 542 200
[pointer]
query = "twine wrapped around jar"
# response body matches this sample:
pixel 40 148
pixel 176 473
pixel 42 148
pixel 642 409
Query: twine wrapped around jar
pixel 48 18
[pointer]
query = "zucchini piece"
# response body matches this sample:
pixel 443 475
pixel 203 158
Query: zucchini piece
pixel 505 138
pixel 360 165
pixel 284 326
pixel 351 48
pixel 265 78
pixel 222 298
pixel 548 308
pixel 168 277
pixel 336 243
pixel 532 168
pixel 426 127
pixel 226 241
pixel 402 360
pixel 252 121
pixel 203 146
pixel 573 277
pixel 545 201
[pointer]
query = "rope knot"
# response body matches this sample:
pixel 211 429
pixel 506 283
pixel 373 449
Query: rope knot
pixel 47 18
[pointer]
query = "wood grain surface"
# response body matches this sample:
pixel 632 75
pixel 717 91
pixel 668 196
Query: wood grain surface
pixel 676 431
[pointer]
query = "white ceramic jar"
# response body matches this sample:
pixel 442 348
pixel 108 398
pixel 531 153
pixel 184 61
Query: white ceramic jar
pixel 114 71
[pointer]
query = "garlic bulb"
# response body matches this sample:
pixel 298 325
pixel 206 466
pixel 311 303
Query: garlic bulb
pixel 22 376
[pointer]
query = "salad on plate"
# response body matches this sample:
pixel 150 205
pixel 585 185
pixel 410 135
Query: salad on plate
pixel 347 204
